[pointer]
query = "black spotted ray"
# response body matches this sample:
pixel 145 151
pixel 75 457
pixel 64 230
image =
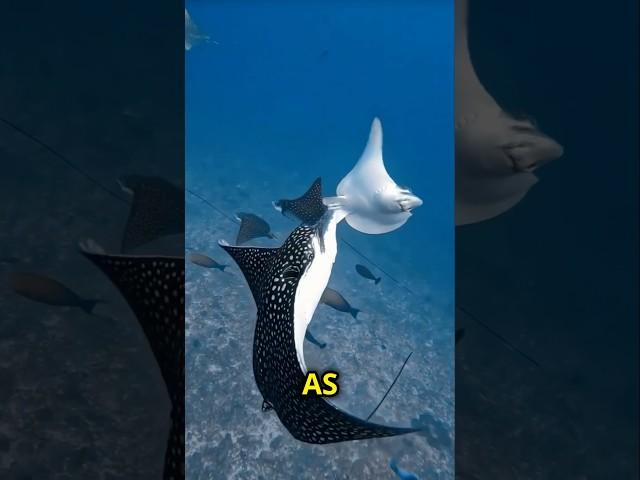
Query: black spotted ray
pixel 252 226
pixel 153 286
pixel 308 208
pixel 287 283
pixel 157 210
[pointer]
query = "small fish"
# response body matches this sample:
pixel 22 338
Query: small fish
pixel 337 301
pixel 40 288
pixel 366 273
pixel 459 334
pixel 308 208
pixel 157 210
pixel 252 226
pixel 401 473
pixel 206 262
pixel 313 340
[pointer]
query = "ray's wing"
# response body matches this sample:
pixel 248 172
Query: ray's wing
pixel 369 174
pixel 308 208
pixel 153 286
pixel 157 210
pixel 245 232
pixel 314 420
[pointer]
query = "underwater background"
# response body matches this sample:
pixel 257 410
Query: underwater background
pixel 280 95
pixel 557 275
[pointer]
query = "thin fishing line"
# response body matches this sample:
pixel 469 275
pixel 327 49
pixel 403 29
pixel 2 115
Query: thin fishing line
pixel 207 202
pixel 390 387
pixel 63 158
pixel 497 335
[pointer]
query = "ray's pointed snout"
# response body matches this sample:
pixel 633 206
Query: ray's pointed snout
pixel 409 202
pixel 534 153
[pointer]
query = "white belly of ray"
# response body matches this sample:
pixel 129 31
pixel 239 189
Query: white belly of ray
pixel 369 196
pixel 311 285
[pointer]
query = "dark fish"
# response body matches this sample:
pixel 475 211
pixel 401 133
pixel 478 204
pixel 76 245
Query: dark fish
pixel 205 261
pixel 153 286
pixel 157 210
pixel 401 473
pixel 459 334
pixel 336 300
pixel 308 208
pixel 252 226
pixel 313 340
pixel 47 290
pixel 366 273
pixel 286 284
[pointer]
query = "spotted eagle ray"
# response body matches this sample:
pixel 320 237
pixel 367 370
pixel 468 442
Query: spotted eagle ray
pixel 157 210
pixel 252 226
pixel 307 208
pixel 287 283
pixel 192 34
pixel 372 201
pixel 153 286
pixel 496 154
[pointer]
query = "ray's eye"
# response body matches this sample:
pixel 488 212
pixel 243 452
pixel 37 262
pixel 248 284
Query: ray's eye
pixel 292 272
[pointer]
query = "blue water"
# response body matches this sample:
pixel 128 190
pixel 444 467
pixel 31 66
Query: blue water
pixel 288 94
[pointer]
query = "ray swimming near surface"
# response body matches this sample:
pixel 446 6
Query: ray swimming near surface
pixel 153 286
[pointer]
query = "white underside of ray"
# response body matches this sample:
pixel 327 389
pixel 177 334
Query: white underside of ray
pixel 486 183
pixel 312 283
pixel 368 195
